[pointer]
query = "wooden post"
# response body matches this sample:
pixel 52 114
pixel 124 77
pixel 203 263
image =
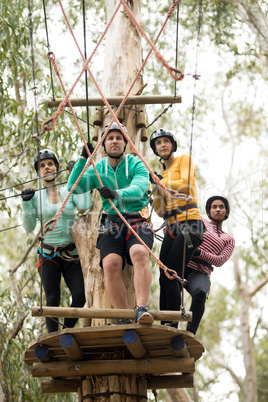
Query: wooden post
pixel 72 349
pixel 42 353
pixel 87 389
pixel 134 344
pixel 114 386
pixel 141 117
pixel 142 388
pixel 179 346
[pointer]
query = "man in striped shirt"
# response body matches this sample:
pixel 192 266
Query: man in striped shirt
pixel 215 250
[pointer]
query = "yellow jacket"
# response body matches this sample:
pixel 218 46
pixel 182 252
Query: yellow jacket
pixel 176 178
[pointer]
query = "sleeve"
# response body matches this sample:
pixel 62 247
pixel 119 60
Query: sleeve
pixel 181 185
pixel 159 203
pixel 139 184
pixel 86 183
pixel 225 254
pixel 83 201
pixel 29 215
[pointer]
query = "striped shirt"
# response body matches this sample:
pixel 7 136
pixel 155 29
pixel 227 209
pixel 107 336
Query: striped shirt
pixel 215 250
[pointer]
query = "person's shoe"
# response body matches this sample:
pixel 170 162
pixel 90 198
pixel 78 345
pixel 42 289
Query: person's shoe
pixel 124 321
pixel 142 316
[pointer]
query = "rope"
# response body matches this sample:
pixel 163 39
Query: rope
pixel 168 193
pixel 49 125
pixel 170 69
pixel 56 114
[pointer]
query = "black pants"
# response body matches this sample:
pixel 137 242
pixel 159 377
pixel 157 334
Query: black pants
pixel 198 285
pixel 171 255
pixel 73 276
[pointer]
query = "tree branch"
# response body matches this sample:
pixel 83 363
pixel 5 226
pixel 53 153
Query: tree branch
pixel 12 271
pixel 258 286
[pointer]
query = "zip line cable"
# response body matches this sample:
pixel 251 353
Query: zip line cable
pixel 200 12
pixel 39 189
pixel 177 44
pixel 37 138
pixel 29 181
pixel 86 81
pixel 48 47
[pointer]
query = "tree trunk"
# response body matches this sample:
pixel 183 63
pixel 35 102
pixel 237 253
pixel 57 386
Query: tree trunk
pixel 252 14
pixel 250 390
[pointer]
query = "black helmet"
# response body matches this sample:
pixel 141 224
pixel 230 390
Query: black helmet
pixel 114 127
pixel 162 132
pixel 217 197
pixel 45 154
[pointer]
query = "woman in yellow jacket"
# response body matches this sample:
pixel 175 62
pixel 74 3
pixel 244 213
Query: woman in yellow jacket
pixel 179 175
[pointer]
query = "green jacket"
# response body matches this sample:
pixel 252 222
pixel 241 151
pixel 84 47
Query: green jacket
pixel 130 179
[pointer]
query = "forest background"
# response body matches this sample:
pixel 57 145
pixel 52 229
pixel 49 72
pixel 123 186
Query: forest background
pixel 229 132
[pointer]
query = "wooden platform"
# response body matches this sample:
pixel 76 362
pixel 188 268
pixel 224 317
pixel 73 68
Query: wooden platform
pixel 114 349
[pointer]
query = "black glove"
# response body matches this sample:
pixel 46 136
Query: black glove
pixel 27 194
pixel 197 252
pixel 152 180
pixel 107 192
pixel 84 151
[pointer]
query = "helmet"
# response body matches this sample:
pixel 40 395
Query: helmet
pixel 217 197
pixel 114 127
pixel 162 132
pixel 45 154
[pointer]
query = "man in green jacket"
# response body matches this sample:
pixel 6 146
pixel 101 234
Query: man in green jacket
pixel 125 181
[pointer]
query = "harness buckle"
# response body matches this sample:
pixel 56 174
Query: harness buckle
pixel 144 213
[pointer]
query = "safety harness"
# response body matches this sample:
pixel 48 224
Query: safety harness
pixel 183 227
pixel 113 224
pixel 63 251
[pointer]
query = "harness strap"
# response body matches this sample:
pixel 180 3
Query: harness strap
pixel 182 229
pixel 39 261
pixel 178 210
pixel 62 250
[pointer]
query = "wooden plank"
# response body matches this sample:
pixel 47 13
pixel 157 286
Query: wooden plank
pixel 108 340
pixel 116 100
pixel 170 381
pixel 98 367
pixel 75 312
pixel 153 382
pixel 58 386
